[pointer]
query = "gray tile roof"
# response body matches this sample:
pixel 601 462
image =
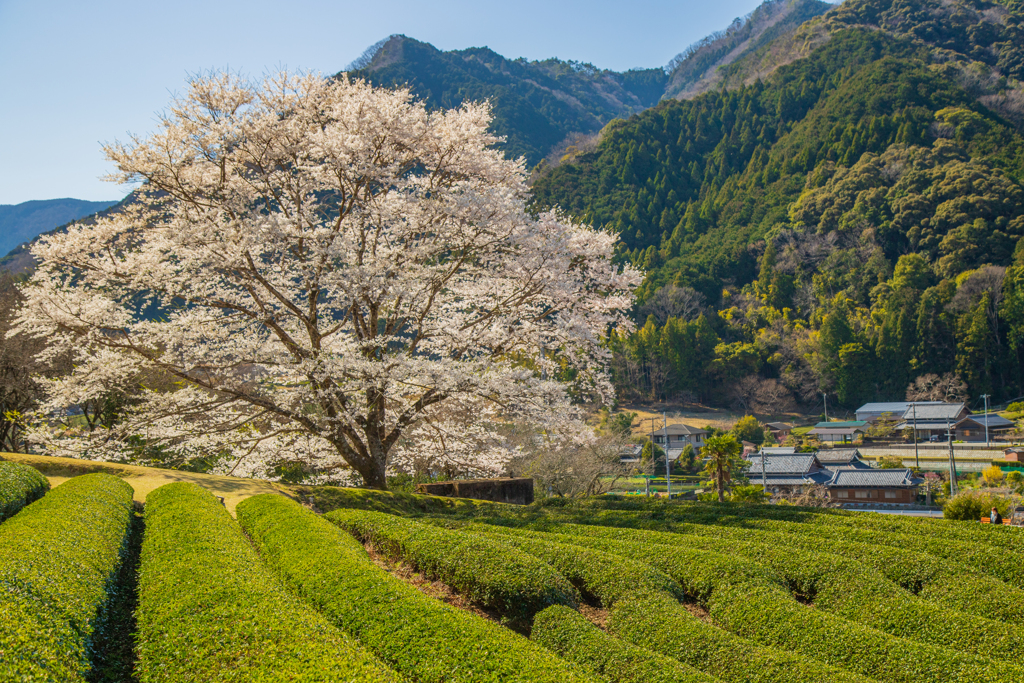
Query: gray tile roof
pixel 680 429
pixel 795 464
pixel 994 421
pixel 782 426
pixel 778 450
pixel 895 407
pixel 935 412
pixel 873 477
pixel 839 431
pixel 789 480
pixel 837 456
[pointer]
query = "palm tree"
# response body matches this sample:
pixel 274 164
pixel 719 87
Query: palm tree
pixel 722 455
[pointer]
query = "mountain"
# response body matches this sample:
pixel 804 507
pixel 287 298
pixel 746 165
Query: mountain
pixel 23 222
pixel 849 222
pixel 761 42
pixel 540 107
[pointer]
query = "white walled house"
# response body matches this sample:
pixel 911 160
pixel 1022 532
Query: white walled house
pixel 675 438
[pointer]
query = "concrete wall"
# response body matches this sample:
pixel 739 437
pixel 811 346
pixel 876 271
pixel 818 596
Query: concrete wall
pixel 515 491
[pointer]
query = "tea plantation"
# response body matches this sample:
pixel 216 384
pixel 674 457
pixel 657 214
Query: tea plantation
pixel 94 587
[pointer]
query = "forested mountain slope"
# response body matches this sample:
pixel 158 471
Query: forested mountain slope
pixel 849 224
pixel 536 105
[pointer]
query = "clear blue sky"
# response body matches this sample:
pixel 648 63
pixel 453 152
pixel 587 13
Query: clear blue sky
pixel 76 74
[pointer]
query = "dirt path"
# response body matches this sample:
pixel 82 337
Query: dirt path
pixel 145 479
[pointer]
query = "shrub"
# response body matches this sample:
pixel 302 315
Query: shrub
pixel 57 561
pixel 328 498
pixel 992 476
pixel 607 577
pixel 510 581
pixel 972 505
pixel 210 610
pixel 1017 407
pixel 420 637
pixel 19 486
pixel 566 633
pixel 756 603
pixel 1014 478
pixel 663 623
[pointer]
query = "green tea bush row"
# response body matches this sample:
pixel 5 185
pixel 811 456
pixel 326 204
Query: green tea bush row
pixel 58 558
pixel 503 578
pixel 931 578
pixel 566 633
pixel 663 624
pixel 849 589
pixel 998 562
pixel 424 639
pixel 19 486
pixel 210 610
pixel 748 600
pixel 603 576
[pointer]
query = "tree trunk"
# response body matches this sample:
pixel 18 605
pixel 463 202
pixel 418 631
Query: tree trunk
pixel 721 484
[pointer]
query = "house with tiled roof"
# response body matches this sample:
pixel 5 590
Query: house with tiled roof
pixel 841 458
pixel 870 412
pixel 935 421
pixel 839 431
pixel 888 486
pixel 674 438
pixel 787 471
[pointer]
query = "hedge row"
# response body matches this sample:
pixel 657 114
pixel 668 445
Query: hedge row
pixel 210 610
pixel 848 589
pixel 689 640
pixel 664 624
pixel 509 581
pixel 605 577
pixel 566 633
pixel 19 486
pixel 421 637
pixel 58 558
pixel 997 562
pixel 929 577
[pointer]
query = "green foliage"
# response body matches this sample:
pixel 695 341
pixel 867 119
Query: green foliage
pixel 607 577
pixel 566 633
pixel 58 557
pixel 863 614
pixel 420 637
pixel 620 423
pixel 514 583
pixel 825 213
pixel 327 498
pixel 19 486
pixel 748 494
pixel 1016 407
pixel 972 505
pixel 748 429
pixel 724 464
pixel 652 452
pixel 890 462
pixel 203 590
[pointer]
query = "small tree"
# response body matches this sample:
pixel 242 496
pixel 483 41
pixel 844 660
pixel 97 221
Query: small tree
pixel 748 429
pixel 890 462
pixel 723 461
pixel 992 476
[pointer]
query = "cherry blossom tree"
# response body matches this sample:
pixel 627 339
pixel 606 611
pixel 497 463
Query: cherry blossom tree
pixel 326 272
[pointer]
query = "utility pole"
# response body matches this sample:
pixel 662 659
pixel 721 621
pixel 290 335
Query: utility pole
pixel 824 397
pixel 985 396
pixel 917 456
pixel 668 463
pixel 952 460
pixel 764 470
pixel 647 478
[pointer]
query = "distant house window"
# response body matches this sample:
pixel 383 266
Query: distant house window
pixel 842 494
pixel 863 494
pixel 680 438
pixel 892 494
pixel 967 432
